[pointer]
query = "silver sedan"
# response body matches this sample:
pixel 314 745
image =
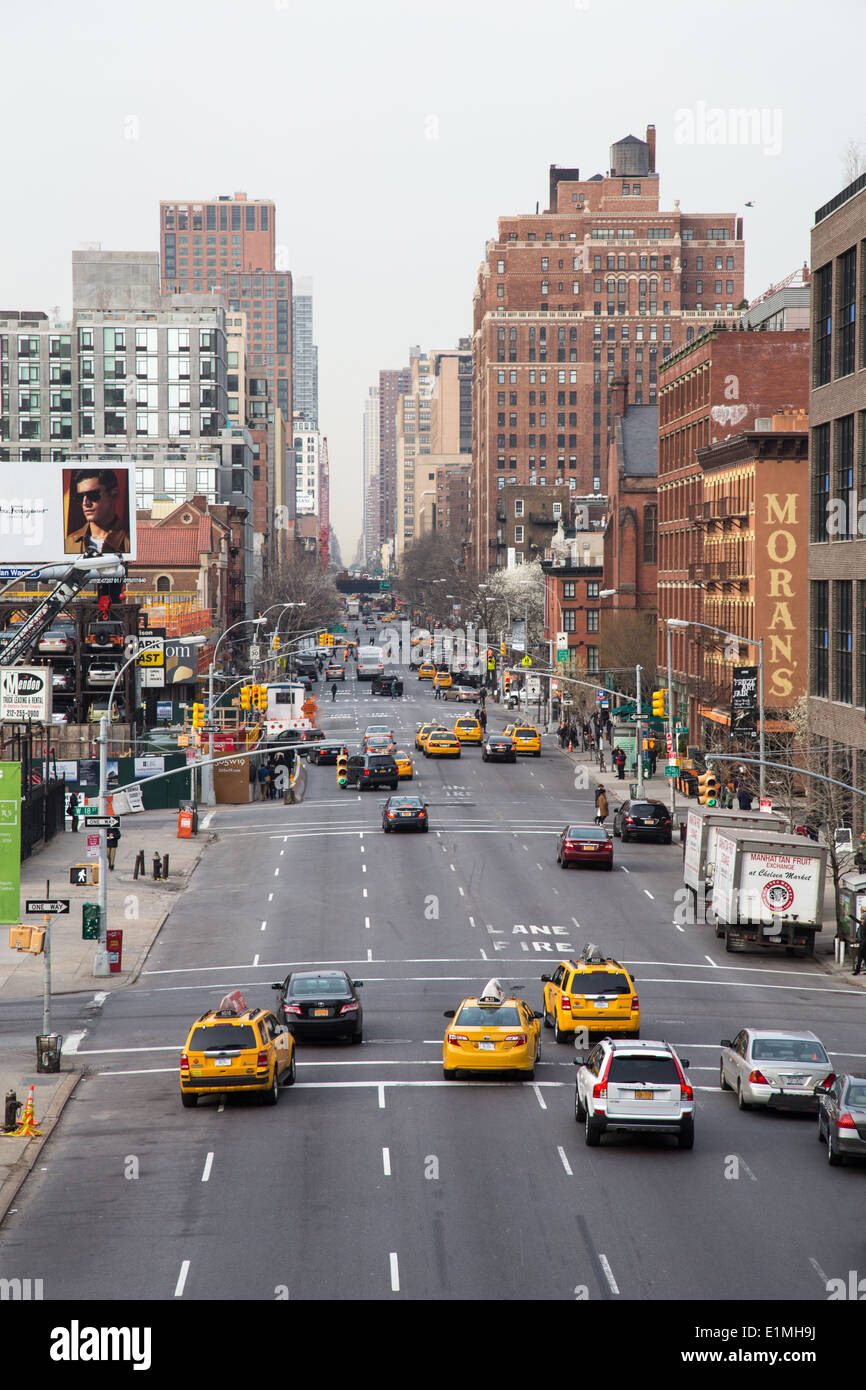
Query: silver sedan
pixel 780 1070
pixel 842 1118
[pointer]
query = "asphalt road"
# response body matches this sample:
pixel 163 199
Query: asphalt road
pixel 374 1178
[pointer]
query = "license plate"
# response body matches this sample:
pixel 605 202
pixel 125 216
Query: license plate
pixel 643 1095
pixel 796 1081
pixel 587 846
pixel 601 1003
pixel 222 1061
pixel 321 1013
pixel 405 813
pixel 487 1047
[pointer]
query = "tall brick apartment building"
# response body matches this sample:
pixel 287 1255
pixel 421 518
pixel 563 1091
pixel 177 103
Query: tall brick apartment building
pixel 602 283
pixel 715 390
pixel 837 461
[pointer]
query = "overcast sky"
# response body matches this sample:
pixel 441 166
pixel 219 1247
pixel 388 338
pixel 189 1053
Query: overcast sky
pixel 392 134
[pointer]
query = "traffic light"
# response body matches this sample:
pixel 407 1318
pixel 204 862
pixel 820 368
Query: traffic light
pixel 507 680
pixel 659 702
pixel 246 697
pixel 198 716
pixel 502 650
pixel 342 769
pixel 708 789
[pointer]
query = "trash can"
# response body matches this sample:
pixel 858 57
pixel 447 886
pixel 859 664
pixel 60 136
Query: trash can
pixel 48 1049
pixel 192 808
pixel 184 825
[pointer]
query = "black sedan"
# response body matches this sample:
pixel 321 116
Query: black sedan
pixel 404 813
pixel 643 820
pixel 321 1004
pixel 324 755
pixel 499 748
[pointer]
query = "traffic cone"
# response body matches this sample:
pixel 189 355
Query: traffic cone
pixel 570 746
pixel 27 1128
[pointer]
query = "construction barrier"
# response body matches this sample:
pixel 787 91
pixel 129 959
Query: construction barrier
pixel 27 1128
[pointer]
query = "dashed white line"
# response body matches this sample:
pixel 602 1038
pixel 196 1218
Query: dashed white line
pixel 649 894
pixel 386 1162
pixel 395 1273
pixel 208 1164
pixel 181 1279
pixel 712 962
pixel 608 1273
pixel 367 923
pixel 539 1097
pixel 565 1163
pixel 276 872
pixel 381 1096
pixel 624 869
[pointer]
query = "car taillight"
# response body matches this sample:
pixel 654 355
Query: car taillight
pixel 366 772
pixel 457 1037
pixel 570 844
pixel 635 1004
pixel 686 1092
pixel 758 1078
pixel 599 1090
pixel 629 820
pixel 565 1002
pixel 391 815
pixel 262 1059
pixel 846 1121
pixel 828 1080
pixel 184 1062
pixel 518 1038
pixel 349 1008
pixel 292 1008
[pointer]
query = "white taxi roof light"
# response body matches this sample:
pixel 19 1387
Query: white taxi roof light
pixel 592 955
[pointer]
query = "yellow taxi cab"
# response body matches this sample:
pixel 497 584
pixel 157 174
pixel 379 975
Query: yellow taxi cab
pixel 525 738
pixel 426 671
pixel 593 992
pixel 442 680
pixel 404 763
pixel 234 1048
pixel 494 1032
pixel 468 730
pixel 441 743
pixel 424 730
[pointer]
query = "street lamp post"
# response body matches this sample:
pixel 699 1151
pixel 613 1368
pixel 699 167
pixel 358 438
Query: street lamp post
pixel 100 963
pixel 207 791
pixel 751 642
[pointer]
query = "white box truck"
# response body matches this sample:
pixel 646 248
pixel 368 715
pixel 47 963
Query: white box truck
pixel 702 826
pixel 768 890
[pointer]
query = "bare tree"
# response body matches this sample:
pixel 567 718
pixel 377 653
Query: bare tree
pixel 853 160
pixel 628 639
pixel 310 588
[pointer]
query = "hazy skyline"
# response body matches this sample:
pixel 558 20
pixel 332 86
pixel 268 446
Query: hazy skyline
pixel 392 135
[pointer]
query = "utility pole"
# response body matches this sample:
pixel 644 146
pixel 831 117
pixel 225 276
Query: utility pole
pixel 674 753
pixel 639 736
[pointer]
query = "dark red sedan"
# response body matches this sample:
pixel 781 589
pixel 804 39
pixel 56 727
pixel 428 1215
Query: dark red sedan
pixel 584 844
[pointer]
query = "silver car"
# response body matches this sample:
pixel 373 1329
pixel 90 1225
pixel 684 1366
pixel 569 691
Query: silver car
pixel 765 1066
pixel 842 1118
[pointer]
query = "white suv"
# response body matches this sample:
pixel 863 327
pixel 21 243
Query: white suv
pixel 634 1086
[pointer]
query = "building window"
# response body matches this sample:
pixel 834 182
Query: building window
pixel 820 629
pixel 843 641
pixel 569 617
pixel 823 324
pixel 518 535
pixel 568 589
pixel 592 619
pixel 650 535
pixel 820 482
pixel 592 661
pixel 518 506
pixel 846 321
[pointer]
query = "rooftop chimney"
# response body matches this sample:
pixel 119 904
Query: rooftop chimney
pixel 651 141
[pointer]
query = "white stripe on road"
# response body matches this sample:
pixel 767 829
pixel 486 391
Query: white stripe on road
pixel 538 1096
pixel 386 1162
pixel 565 1163
pixel 72 1042
pixel 181 1279
pixel 608 1273
pixel 395 1273
pixel 208 1164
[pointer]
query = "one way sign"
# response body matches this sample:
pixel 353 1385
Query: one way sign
pixel 50 905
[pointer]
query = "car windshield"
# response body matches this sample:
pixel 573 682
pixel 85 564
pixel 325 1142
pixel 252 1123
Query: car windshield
pixel 405 802
pixel 319 987
pixel 597 982
pixel 488 1016
pixel 586 832
pixel 641 1070
pixel 221 1037
pixel 788 1050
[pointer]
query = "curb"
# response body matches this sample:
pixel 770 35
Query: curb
pixel 26 1159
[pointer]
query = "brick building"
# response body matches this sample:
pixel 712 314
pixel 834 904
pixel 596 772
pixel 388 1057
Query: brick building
pixel 604 282
pixel 720 386
pixel 837 526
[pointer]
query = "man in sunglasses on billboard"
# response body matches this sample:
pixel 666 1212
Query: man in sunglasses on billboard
pixel 105 531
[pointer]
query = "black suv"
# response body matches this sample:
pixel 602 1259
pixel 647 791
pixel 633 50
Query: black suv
pixel 381 685
pixel 643 820
pixel 372 770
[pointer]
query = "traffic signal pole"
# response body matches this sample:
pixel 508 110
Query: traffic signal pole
pixel 674 753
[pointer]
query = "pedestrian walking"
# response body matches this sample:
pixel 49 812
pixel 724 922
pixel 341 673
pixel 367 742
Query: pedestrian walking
pixel 482 718
pixel 744 797
pixel 618 756
pixel 334 691
pixel 262 779
pixel 482 695
pixel 601 806
pixel 861 945
pixel 73 810
pixel 112 840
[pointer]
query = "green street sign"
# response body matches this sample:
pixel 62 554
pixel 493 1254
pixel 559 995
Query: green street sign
pixel 671 770
pixel 10 842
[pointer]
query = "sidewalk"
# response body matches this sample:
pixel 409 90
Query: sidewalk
pixel 138 907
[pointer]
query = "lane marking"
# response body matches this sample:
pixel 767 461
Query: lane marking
pixel 381 1086
pixel 207 820
pixel 712 962
pixel 538 1096
pixel 608 1273
pixel 565 1163
pixel 386 1162
pixel 395 1273
pixel 819 1271
pixel 72 1043
pixel 264 924
pixel 649 894
pixel 208 1165
pixel 181 1280
pixel 624 869
pixel 367 923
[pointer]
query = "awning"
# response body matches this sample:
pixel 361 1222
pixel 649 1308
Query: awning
pixel 771 726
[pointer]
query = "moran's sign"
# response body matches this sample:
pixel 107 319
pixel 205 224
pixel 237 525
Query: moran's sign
pixel 781 602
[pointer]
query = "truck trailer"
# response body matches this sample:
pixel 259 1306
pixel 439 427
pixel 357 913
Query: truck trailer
pixel 702 826
pixel 768 891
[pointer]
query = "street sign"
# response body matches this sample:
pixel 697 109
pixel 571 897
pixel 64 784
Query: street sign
pixel 526 661
pixel 83 875
pixel 151 656
pixel 51 905
pixel 255 652
pixel 25 694
pixel 103 822
pixel 671 770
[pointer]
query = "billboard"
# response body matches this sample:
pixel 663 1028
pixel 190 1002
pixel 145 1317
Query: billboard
pixel 50 512
pixel 25 694
pixel 10 842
